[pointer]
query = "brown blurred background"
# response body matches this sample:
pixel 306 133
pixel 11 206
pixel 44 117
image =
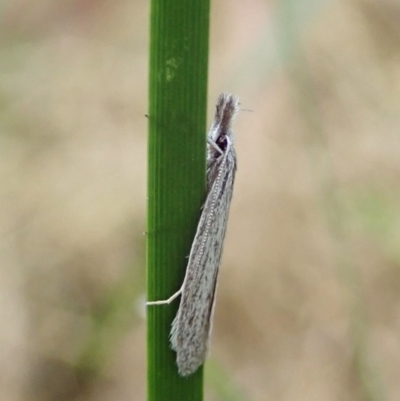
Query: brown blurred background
pixel 309 296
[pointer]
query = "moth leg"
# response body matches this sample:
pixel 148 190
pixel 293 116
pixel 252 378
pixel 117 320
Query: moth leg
pixel 166 301
pixel 214 145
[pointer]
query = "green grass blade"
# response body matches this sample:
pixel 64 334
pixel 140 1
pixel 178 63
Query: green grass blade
pixel 176 176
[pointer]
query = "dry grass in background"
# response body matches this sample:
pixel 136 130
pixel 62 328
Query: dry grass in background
pixel 308 301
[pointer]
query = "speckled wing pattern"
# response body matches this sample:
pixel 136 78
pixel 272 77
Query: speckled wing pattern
pixel 191 327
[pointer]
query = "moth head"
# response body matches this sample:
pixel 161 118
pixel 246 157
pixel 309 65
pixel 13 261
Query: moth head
pixel 227 108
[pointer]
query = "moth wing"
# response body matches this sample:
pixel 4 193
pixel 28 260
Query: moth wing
pixel 192 325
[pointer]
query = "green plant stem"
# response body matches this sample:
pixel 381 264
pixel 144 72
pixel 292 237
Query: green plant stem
pixel 176 176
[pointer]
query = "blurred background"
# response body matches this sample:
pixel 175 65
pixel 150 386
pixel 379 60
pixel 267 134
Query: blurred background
pixel 309 296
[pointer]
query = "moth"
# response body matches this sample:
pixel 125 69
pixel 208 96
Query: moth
pixel 191 328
